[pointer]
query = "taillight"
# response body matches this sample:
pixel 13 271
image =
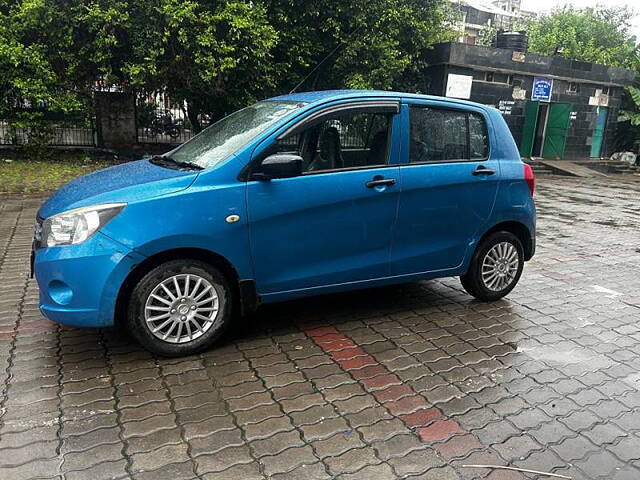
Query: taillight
pixel 530 178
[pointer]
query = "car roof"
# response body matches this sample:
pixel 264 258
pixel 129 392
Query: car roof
pixel 329 95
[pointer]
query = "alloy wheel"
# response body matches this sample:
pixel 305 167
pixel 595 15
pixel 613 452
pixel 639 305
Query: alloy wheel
pixel 500 266
pixel 181 308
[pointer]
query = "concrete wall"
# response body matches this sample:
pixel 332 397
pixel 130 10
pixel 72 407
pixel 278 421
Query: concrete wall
pixel 116 119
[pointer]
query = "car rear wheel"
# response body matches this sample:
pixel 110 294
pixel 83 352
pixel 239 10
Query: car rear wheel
pixel 495 268
pixel 180 308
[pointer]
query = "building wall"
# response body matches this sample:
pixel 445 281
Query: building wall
pixel 512 96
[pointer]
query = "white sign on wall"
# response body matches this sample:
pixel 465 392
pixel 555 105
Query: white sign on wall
pixel 519 93
pixel 506 106
pixel 599 99
pixel 459 86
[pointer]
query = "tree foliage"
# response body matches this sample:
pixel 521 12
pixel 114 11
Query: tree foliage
pixel 215 56
pixel 599 35
pixel 628 131
pixel 632 115
pixel 379 43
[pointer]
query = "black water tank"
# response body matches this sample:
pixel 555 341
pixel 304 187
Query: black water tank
pixel 518 41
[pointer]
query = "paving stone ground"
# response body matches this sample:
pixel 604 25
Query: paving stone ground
pixel 410 381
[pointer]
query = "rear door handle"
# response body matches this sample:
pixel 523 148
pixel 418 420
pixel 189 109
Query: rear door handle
pixel 482 170
pixel 381 182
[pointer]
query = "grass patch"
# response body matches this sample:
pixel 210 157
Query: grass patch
pixel 20 175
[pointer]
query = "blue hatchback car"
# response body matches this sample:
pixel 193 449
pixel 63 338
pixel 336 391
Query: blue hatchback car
pixel 297 195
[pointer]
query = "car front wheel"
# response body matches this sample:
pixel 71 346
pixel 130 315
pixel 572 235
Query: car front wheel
pixel 495 268
pixel 179 308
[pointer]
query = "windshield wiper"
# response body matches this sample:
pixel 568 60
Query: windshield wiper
pixel 171 163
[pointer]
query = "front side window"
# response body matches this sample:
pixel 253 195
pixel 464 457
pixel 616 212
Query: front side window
pixel 348 139
pixel 217 142
pixel 439 135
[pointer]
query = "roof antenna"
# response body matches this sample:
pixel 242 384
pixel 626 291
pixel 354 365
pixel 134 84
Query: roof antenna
pixel 329 55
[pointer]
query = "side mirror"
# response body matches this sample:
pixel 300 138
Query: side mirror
pixel 279 165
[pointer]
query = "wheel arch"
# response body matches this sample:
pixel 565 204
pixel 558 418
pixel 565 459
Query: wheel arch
pixel 244 294
pixel 520 230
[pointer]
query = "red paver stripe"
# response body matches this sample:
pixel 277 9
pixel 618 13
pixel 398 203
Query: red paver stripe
pixel 421 418
pixel 357 363
pixel 400 399
pixel 348 354
pixel 393 393
pixel 439 431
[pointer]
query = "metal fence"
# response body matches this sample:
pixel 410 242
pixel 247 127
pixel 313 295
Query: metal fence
pixel 160 119
pixel 71 131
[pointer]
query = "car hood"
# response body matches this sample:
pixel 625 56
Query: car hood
pixel 129 182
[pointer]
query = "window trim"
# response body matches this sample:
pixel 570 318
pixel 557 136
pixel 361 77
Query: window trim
pixel 381 106
pixel 349 169
pixel 467 113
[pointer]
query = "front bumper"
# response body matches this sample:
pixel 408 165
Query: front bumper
pixel 79 284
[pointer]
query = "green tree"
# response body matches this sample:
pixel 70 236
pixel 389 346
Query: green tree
pixel 375 44
pixel 220 56
pixel 599 35
pixel 632 115
pixel 628 131
pixel 214 57
pixel 26 74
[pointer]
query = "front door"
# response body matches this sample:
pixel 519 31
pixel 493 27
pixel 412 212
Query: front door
pixel 598 132
pixel 449 185
pixel 334 223
pixel 555 136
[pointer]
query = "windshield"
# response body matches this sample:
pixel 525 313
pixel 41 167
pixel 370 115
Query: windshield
pixel 218 141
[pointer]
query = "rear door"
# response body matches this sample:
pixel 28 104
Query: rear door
pixel 449 185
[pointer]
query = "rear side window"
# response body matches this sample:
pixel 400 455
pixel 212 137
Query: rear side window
pixel 439 135
pixel 478 139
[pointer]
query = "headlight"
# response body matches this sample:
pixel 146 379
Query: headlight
pixel 75 226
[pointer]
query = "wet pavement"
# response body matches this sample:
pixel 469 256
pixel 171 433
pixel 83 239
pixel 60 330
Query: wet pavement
pixel 412 381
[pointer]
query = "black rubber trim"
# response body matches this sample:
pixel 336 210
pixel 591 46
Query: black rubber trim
pixel 530 249
pixel 249 298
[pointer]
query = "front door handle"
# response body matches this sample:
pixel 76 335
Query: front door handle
pixel 380 182
pixel 482 170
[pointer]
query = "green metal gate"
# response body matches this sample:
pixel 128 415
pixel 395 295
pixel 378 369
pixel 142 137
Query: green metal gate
pixel 556 132
pixel 529 130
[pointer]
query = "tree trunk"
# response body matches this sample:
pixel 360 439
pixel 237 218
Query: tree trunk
pixel 193 113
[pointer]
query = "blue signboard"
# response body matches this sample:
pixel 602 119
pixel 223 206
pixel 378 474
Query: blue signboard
pixel 542 89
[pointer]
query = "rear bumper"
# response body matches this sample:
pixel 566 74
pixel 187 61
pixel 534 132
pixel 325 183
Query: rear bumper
pixel 79 284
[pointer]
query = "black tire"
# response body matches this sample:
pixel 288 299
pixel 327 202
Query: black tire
pixel 473 281
pixel 173 132
pixel 185 270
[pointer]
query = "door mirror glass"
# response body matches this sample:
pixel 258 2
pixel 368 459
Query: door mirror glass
pixel 279 165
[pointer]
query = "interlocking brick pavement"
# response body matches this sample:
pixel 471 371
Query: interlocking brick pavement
pixel 410 381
